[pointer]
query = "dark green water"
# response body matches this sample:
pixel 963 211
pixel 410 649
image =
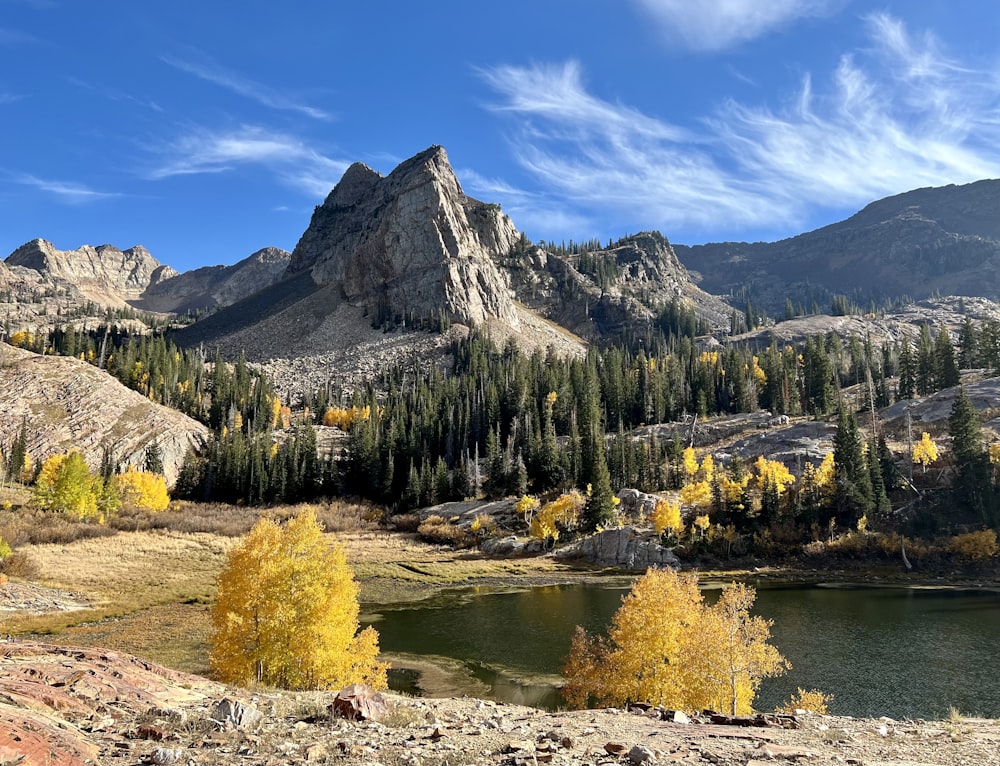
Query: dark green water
pixel 898 652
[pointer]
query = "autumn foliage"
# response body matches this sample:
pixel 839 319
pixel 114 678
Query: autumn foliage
pixel 667 647
pixel 287 613
pixel 142 490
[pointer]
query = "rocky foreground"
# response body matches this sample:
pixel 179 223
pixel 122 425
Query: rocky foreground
pixel 73 706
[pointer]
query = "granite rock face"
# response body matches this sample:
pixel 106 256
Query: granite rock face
pixel 411 244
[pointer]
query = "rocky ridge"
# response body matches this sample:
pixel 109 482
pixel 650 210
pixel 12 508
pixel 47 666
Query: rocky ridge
pixel 647 277
pixel 410 244
pixel 77 706
pixel 67 404
pixel 44 287
pixel 942 240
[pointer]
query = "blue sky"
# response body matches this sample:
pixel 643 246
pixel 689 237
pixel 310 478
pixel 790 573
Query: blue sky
pixel 208 130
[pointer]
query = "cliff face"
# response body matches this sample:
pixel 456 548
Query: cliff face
pixel 411 244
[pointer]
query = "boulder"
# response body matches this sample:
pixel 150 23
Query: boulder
pixel 624 547
pixel 359 702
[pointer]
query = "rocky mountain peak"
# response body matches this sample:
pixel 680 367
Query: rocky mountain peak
pixel 105 268
pixel 411 244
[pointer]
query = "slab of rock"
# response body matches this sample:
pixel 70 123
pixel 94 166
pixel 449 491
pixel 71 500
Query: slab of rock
pixel 624 547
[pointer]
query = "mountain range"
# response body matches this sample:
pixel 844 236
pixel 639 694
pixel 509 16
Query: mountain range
pixel 391 267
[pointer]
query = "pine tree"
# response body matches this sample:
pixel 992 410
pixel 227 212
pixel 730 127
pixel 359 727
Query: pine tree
pixel 853 493
pixel 946 371
pixel 972 487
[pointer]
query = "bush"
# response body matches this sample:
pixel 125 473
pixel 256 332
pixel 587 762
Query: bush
pixel 20 564
pixel 813 700
pixel 975 545
pixel 438 530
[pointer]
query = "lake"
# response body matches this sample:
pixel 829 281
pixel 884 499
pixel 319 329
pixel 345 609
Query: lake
pixel 895 651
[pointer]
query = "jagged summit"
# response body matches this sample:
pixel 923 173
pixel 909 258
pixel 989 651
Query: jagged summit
pixel 104 268
pixel 411 244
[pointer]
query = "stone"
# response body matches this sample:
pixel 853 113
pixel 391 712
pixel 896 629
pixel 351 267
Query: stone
pixel 359 702
pixel 624 547
pixel 640 754
pixel 235 714
pixel 316 752
pixel 166 756
pixel 616 748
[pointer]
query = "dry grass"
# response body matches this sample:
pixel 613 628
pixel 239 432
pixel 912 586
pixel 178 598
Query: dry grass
pixel 151 588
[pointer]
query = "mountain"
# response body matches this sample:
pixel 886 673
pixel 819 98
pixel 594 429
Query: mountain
pixel 211 287
pixel 410 244
pixel 412 250
pixel 103 274
pixel 44 286
pixel 66 404
pixel 943 240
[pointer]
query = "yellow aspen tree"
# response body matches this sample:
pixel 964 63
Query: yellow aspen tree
pixel 666 517
pixel 690 462
pixel 66 485
pixel 698 494
pixel 644 658
pixel 286 614
pixel 773 471
pixel 563 513
pixel 666 647
pixel 143 490
pixel 737 655
pixel 925 452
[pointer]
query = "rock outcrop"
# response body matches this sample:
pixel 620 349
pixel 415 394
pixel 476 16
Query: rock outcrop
pixel 411 244
pixel 624 547
pixel 67 404
pixel 640 275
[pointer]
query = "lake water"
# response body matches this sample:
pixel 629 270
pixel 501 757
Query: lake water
pixel 898 652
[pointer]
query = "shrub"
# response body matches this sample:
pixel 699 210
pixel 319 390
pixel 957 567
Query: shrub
pixel 975 545
pixel 20 564
pixel 813 700
pixel 438 530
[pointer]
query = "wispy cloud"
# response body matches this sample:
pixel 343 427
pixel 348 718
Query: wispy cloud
pixel 908 116
pixel 67 191
pixel 295 163
pixel 722 23
pixel 205 68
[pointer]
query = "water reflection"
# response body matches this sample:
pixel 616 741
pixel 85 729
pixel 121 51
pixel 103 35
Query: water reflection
pixel 880 651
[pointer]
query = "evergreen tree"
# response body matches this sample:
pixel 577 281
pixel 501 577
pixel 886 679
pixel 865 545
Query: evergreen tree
pixel 907 371
pixel 853 493
pixel 945 366
pixel 153 461
pixel 972 487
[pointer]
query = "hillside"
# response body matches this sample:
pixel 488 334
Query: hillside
pixel 67 404
pixel 942 240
